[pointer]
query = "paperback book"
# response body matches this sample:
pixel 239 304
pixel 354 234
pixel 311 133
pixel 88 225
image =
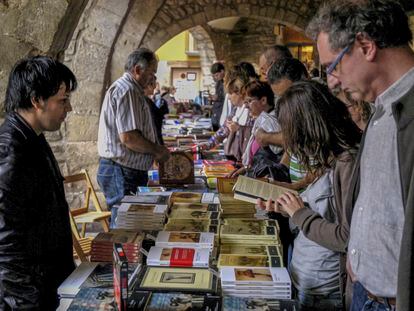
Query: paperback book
pixel 178 257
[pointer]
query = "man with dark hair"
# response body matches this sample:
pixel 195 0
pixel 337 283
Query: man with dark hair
pixel 35 236
pixel 365 47
pixel 281 76
pixel 272 55
pixel 217 70
pixel 127 137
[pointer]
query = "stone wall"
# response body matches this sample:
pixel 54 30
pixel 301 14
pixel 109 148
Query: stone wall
pixel 245 42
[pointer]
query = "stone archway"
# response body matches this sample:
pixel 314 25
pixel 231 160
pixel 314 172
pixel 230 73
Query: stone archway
pixel 106 34
pixel 207 55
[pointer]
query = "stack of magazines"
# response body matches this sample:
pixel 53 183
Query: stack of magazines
pixel 103 244
pixel 253 282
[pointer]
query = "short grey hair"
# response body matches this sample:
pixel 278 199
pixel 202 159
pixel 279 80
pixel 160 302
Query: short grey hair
pixel 383 21
pixel 142 57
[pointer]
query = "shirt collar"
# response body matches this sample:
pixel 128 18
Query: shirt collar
pixel 397 90
pixel 128 76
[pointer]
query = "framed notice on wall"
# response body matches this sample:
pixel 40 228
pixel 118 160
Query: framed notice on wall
pixel 191 76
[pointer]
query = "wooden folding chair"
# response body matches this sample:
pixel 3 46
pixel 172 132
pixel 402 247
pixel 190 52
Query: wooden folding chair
pixel 83 215
pixel 81 246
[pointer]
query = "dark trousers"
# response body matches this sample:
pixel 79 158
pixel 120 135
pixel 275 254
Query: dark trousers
pixel 116 181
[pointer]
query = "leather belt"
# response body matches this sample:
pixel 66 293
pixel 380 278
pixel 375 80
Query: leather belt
pixel 382 300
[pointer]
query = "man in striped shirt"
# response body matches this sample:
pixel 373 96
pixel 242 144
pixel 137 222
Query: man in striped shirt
pixel 127 137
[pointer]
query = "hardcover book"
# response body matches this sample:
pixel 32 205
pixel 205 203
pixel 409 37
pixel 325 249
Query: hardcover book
pixel 178 279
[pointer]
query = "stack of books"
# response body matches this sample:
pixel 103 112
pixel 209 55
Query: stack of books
pixel 253 282
pixel 233 260
pixel 194 197
pixel 134 216
pixel 233 208
pixel 196 211
pixel 178 257
pixel 174 279
pixel 242 234
pixel 185 239
pixel 192 225
pixel 103 245
pixel 251 249
pixel 217 169
pixel 231 303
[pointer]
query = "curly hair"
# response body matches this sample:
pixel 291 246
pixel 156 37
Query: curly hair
pixel 383 21
pixel 317 126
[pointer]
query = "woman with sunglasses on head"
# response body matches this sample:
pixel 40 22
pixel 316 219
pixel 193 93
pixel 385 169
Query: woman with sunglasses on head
pixel 319 130
pixel 237 128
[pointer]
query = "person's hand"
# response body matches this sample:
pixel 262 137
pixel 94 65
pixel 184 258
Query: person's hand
pixel 162 154
pixel 289 203
pixel 271 206
pixel 237 172
pixel 351 274
pixel 261 136
pixel 232 126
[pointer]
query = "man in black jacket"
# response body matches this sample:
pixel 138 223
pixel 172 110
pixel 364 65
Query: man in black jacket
pixel 35 236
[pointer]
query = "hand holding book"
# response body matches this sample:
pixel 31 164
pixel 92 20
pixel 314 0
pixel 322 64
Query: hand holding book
pixel 286 204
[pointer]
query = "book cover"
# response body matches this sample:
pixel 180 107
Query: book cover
pixel 178 279
pixel 92 299
pixel 226 184
pixel 146 198
pixel 186 197
pixel 255 276
pixel 120 278
pixel 185 239
pixel 178 257
pixel 178 169
pixel 249 261
pixel 182 301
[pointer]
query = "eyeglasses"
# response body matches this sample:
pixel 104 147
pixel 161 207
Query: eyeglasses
pixel 332 66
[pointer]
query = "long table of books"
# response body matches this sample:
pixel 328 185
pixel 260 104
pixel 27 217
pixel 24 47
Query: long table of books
pixel 181 250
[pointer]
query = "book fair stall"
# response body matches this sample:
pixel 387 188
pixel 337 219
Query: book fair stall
pixel 193 239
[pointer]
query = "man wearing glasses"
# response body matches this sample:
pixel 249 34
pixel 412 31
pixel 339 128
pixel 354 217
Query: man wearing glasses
pixel 365 48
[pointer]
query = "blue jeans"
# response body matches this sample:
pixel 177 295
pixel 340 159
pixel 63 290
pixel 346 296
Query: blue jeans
pixel 116 181
pixel 360 301
pixel 331 302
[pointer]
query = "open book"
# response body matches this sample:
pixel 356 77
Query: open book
pixel 250 189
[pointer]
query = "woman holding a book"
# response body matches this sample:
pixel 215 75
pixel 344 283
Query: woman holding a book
pixel 319 131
